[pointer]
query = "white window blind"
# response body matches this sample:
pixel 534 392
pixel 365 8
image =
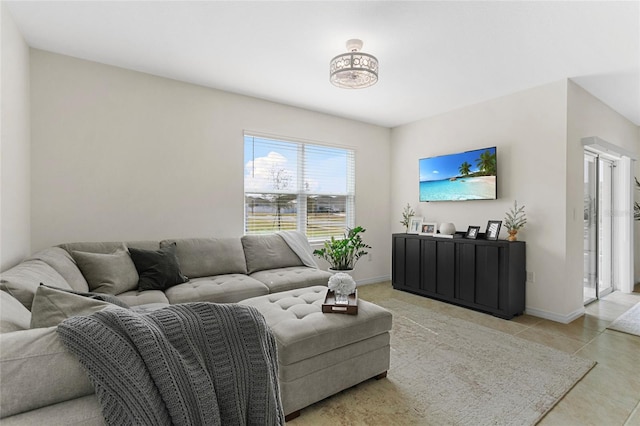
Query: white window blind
pixel 291 185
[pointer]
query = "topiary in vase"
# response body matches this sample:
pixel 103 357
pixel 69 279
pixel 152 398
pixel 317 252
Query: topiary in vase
pixel 343 253
pixel 514 220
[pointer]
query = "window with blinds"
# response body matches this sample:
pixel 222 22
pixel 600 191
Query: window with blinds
pixel 291 185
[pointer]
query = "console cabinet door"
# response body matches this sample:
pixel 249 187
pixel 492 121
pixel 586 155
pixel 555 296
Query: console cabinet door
pixel 446 269
pixel 487 276
pixel 406 262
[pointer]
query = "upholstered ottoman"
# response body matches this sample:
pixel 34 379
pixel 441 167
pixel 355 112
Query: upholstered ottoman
pixel 321 354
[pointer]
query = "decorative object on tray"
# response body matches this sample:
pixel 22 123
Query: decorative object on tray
pixel 428 228
pixel 342 286
pixel 415 225
pixel 330 307
pixel 493 229
pixel 472 232
pixel 514 220
pixel 407 214
pixel 447 228
pixel 342 254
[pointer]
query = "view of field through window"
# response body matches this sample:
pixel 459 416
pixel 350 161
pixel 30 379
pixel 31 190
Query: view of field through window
pixel 297 186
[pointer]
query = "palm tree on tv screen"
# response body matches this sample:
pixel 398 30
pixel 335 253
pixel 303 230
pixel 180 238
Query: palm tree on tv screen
pixel 487 163
pixel 465 169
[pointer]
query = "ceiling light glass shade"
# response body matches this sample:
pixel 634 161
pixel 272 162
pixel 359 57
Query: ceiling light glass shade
pixel 354 70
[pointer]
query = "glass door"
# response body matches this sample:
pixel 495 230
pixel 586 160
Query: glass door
pixel 605 226
pixel 590 228
pixel 597 226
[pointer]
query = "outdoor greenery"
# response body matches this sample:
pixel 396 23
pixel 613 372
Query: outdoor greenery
pixel 636 206
pixel 342 254
pixel 515 218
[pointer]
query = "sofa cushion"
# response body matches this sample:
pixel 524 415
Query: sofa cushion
pixel 206 257
pixel 23 280
pixel 112 273
pixel 136 298
pixel 282 279
pixel 38 370
pixel 85 411
pixel 219 289
pixel 13 315
pixel 51 306
pixel 158 269
pixel 61 260
pixel 268 252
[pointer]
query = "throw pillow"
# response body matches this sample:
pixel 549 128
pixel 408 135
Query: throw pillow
pixel 157 269
pixel 53 305
pixel 112 273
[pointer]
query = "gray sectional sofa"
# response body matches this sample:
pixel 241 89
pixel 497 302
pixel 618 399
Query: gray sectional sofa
pixel 42 383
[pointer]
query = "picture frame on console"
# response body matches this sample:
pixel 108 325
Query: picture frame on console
pixel 428 228
pixel 493 229
pixel 415 226
pixel 472 232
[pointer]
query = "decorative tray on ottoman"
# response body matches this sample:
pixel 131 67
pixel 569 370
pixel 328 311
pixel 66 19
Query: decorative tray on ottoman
pixel 329 306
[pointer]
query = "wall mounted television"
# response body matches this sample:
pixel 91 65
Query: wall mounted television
pixel 470 175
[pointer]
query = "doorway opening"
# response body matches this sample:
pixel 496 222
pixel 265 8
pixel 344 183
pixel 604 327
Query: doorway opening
pixel 598 226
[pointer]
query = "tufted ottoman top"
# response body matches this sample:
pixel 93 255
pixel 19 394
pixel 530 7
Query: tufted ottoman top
pixel 303 331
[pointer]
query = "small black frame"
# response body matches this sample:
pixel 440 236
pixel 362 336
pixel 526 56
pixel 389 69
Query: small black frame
pixel 472 232
pixel 493 229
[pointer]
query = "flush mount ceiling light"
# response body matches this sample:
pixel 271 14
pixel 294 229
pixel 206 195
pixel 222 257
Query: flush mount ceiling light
pixel 354 70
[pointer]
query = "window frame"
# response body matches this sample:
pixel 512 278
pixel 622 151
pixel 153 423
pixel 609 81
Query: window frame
pixel 299 191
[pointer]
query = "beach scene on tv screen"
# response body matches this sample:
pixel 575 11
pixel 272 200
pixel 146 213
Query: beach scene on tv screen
pixel 467 175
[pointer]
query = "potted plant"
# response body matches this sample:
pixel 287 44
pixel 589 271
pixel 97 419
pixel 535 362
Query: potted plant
pixel 407 214
pixel 342 254
pixel 514 220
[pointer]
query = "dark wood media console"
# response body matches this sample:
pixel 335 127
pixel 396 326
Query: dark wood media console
pixel 484 275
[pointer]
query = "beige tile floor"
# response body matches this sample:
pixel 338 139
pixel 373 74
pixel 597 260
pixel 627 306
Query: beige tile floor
pixel 608 395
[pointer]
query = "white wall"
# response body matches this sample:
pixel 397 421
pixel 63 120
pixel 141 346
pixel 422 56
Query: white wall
pixel 122 155
pixel 15 207
pixel 529 130
pixel 587 116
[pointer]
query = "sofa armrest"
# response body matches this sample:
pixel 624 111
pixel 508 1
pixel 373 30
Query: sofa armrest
pixel 36 371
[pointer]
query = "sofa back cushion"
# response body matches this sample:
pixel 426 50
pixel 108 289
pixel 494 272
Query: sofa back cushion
pixel 61 260
pixel 51 305
pixel 109 246
pixel 23 280
pixel 111 273
pixel 268 252
pixel 37 371
pixel 205 257
pixel 13 315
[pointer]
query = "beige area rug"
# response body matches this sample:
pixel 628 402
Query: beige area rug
pixel 459 373
pixel 629 322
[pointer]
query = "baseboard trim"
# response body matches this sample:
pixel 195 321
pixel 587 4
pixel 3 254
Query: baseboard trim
pixel 374 280
pixel 564 319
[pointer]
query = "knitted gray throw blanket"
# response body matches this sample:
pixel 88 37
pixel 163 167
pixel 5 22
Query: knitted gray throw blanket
pixel 187 364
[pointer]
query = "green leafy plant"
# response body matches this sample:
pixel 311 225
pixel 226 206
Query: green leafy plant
pixel 407 214
pixel 342 254
pixel 515 218
pixel 636 205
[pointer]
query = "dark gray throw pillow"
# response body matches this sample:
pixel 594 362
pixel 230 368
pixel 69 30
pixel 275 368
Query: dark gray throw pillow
pixel 158 269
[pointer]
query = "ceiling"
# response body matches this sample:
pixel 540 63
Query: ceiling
pixel 435 56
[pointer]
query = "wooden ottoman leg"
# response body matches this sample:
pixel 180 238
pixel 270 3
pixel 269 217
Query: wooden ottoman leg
pixel 292 416
pixel 381 376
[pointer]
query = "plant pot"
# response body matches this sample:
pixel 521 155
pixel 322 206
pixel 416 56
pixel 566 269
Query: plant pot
pixel 512 235
pixel 344 271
